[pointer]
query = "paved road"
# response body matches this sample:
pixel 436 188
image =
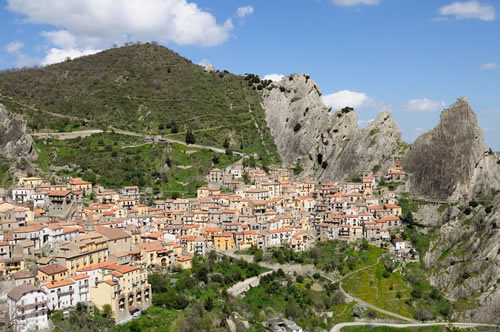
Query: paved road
pixel 339 327
pixel 290 268
pixel 69 135
pixel 85 133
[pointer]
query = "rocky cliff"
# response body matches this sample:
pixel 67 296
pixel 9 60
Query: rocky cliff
pixel 328 145
pixel 16 146
pixel 464 259
pixel 444 161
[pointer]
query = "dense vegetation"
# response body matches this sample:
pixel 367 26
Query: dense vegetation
pixel 328 256
pixel 193 300
pixel 114 160
pixel 145 88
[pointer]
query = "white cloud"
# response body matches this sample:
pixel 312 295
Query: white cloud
pixel 345 98
pixel 274 77
pixel 204 62
pixel 56 55
pixel 244 11
pixel 424 105
pixel 490 66
pixel 469 10
pixel 14 46
pixel 61 38
pixel 92 24
pixel 349 3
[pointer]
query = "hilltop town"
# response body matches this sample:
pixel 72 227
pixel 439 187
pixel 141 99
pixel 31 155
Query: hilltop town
pixel 77 242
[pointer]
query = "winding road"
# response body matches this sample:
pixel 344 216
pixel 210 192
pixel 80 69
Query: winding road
pixel 339 327
pixel 290 268
pixel 85 133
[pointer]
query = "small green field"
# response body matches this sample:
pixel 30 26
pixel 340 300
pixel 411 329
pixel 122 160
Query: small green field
pixel 387 293
pixel 408 294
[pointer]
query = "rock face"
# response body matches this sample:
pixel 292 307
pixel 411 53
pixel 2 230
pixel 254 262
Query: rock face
pixel 443 161
pixel 464 259
pixel 373 148
pixel 15 145
pixel 329 146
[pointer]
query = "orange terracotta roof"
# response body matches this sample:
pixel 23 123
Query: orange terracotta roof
pixel 61 283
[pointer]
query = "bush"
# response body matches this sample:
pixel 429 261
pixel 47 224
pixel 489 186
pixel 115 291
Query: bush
pixel 473 204
pixel 316 275
pixel 423 314
pixel 416 293
pixel 467 210
pixel 359 310
pixel 297 169
pixel 297 127
pixel 190 139
pixel 324 165
pixel 300 279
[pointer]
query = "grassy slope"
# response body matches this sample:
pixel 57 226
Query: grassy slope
pixel 111 160
pixel 138 88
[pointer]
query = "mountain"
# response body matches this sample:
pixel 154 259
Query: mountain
pixel 328 146
pixel 452 160
pixel 143 88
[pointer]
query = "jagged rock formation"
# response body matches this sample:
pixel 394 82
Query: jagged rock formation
pixel 373 148
pixel 443 161
pixel 464 259
pixel 15 145
pixel 328 145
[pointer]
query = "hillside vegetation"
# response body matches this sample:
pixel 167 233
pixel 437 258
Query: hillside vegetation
pixel 143 88
pixel 115 160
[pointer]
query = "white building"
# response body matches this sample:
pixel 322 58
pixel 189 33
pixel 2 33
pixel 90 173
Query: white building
pixel 61 294
pixel 22 194
pixel 67 293
pixel 28 308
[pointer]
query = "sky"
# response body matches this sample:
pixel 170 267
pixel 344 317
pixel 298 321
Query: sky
pixel 411 57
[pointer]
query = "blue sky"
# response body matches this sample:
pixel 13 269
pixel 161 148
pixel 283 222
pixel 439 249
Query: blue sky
pixel 413 57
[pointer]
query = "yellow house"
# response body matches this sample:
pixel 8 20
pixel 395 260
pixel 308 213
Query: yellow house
pixel 50 273
pixel 187 243
pixel 223 241
pixel 153 253
pixel 89 252
pixel 125 288
pixel 184 262
pixel 246 239
pixel 79 184
pixel 30 182
pixel 11 265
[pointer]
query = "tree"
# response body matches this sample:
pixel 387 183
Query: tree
pixel 258 255
pixel 107 311
pixel 226 143
pixel 190 139
pixel 209 304
pixel 174 129
pixel 297 127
